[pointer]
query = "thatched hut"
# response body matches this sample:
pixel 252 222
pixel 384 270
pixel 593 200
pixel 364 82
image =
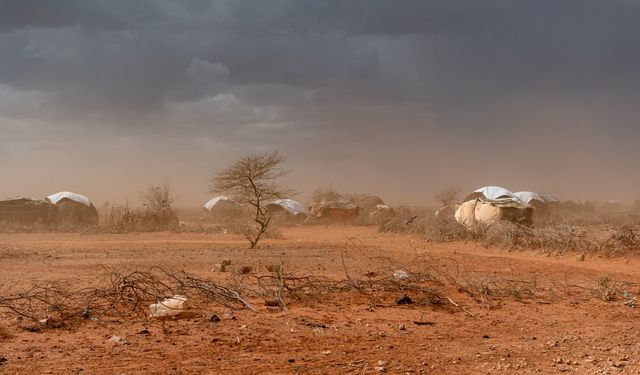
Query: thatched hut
pixel 27 212
pixel 74 209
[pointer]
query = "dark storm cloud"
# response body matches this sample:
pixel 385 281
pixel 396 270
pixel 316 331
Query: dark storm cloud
pixel 357 76
pixel 129 57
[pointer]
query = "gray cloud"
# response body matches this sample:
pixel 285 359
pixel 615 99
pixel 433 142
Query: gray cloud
pixel 340 85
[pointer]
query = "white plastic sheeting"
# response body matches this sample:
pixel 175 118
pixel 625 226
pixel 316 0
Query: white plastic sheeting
pixel 528 196
pixel 496 192
pixel 289 205
pixel 55 198
pixel 168 307
pixel 549 198
pixel 215 200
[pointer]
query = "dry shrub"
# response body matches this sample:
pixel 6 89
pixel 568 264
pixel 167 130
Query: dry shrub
pixel 57 305
pixel 614 238
pixel 436 229
pixel 623 239
pixel 325 194
pixel 159 213
pixel 120 219
pixel 493 288
pixel 555 239
pixel 5 334
pixel 377 280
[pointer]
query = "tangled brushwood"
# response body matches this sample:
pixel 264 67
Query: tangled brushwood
pixel 58 304
pixel 553 238
pixel 375 281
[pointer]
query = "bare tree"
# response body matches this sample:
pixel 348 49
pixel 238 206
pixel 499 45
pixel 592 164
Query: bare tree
pixel 158 198
pixel 251 180
pixel 448 196
pixel 159 212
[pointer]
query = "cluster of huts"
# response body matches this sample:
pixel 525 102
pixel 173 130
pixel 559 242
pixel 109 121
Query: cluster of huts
pixel 493 203
pixel 484 205
pixel 368 206
pixel 60 208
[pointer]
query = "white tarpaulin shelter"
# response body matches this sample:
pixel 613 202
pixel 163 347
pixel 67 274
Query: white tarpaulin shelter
pixel 289 205
pixel 55 198
pixel 528 196
pixel 496 192
pixel 549 198
pixel 215 200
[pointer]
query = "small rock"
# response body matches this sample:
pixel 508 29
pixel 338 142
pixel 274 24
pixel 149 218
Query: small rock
pixel 404 300
pixel 118 340
pixel 214 318
pixel 401 275
pixel 326 352
pixel 402 327
pixel 228 316
pixel 380 367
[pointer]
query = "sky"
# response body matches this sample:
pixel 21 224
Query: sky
pixel 399 98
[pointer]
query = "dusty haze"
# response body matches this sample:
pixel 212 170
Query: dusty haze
pixel 396 98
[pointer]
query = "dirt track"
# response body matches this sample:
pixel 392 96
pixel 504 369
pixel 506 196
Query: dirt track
pixel 559 329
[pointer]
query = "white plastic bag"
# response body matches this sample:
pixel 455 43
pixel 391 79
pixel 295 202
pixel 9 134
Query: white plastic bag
pixel 168 307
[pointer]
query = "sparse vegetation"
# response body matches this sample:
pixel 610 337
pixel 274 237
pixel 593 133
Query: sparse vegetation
pixel 326 194
pixel 449 196
pixel 558 237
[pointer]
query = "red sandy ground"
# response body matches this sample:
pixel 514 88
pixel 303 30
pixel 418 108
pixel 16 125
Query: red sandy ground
pixel 550 333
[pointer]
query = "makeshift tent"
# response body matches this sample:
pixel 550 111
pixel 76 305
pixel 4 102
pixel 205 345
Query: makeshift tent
pixel 286 208
pixel 489 204
pixel 491 193
pixel 57 197
pixel 382 213
pixel 339 211
pixel 213 202
pixel 367 203
pixel 27 211
pixel 540 202
pixel 481 211
pixel 549 198
pixel 528 196
pixel 222 207
pixel 73 208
